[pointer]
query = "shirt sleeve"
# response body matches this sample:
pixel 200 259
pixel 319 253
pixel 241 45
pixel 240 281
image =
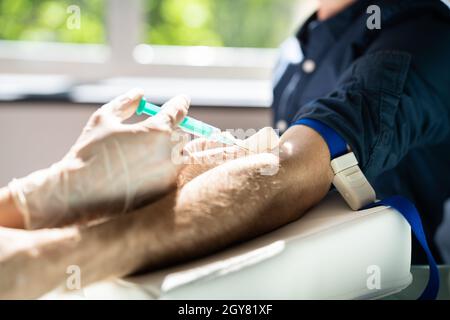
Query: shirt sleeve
pixel 383 108
pixel 395 97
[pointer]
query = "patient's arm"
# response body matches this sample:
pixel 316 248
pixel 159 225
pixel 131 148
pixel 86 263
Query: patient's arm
pixel 229 203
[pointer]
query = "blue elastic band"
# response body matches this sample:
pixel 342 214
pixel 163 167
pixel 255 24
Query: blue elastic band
pixel 336 144
pixel 338 147
pixel 411 214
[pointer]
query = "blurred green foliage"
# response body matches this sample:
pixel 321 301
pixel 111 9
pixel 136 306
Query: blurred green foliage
pixel 40 20
pixel 230 23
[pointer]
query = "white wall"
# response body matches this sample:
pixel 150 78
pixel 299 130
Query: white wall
pixel 35 135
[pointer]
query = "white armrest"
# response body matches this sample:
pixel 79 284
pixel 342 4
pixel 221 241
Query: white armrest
pixel 330 253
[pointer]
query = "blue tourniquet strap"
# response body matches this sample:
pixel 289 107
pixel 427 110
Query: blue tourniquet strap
pixel 336 144
pixel 338 147
pixel 410 213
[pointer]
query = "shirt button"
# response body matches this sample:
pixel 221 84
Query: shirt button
pixel 309 66
pixel 282 125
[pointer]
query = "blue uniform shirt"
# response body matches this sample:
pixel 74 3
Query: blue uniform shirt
pixel 385 91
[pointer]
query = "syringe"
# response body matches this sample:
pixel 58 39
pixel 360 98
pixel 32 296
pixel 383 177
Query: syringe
pixel 188 124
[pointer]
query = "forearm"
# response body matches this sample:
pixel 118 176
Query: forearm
pixel 229 203
pixel 233 202
pixel 183 225
pixel 9 215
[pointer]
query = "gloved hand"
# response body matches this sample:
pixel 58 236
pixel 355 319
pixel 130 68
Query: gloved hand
pixel 204 151
pixel 112 167
pixel 204 154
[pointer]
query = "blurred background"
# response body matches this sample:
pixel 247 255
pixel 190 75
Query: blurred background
pixel 61 59
pixel 222 23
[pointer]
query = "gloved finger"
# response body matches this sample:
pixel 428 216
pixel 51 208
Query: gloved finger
pixel 171 114
pixel 217 156
pixel 202 144
pixel 123 106
pixel 265 140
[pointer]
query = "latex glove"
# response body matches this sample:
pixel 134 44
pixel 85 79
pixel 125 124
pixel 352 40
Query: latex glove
pixel 203 151
pixel 112 167
pixel 204 154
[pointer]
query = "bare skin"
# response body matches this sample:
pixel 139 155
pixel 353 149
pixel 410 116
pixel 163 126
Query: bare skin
pixel 328 8
pixel 196 219
pixel 11 217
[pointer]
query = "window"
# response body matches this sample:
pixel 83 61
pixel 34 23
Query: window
pixel 219 23
pixel 34 20
pixel 91 40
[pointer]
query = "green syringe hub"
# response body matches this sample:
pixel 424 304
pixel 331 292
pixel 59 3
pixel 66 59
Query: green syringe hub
pixel 188 124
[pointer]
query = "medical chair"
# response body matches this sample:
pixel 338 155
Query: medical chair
pixel 330 253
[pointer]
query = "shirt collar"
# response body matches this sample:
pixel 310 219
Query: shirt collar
pixel 336 25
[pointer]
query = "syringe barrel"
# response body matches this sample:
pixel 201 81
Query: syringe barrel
pixel 188 124
pixel 198 128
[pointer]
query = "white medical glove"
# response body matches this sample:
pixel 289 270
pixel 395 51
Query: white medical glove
pixel 203 151
pixel 204 154
pixel 112 168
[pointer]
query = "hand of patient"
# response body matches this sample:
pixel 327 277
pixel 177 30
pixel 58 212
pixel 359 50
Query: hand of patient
pixel 111 168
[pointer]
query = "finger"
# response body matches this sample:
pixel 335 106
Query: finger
pixel 171 114
pixel 124 106
pixel 264 140
pixel 202 144
pixel 217 156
